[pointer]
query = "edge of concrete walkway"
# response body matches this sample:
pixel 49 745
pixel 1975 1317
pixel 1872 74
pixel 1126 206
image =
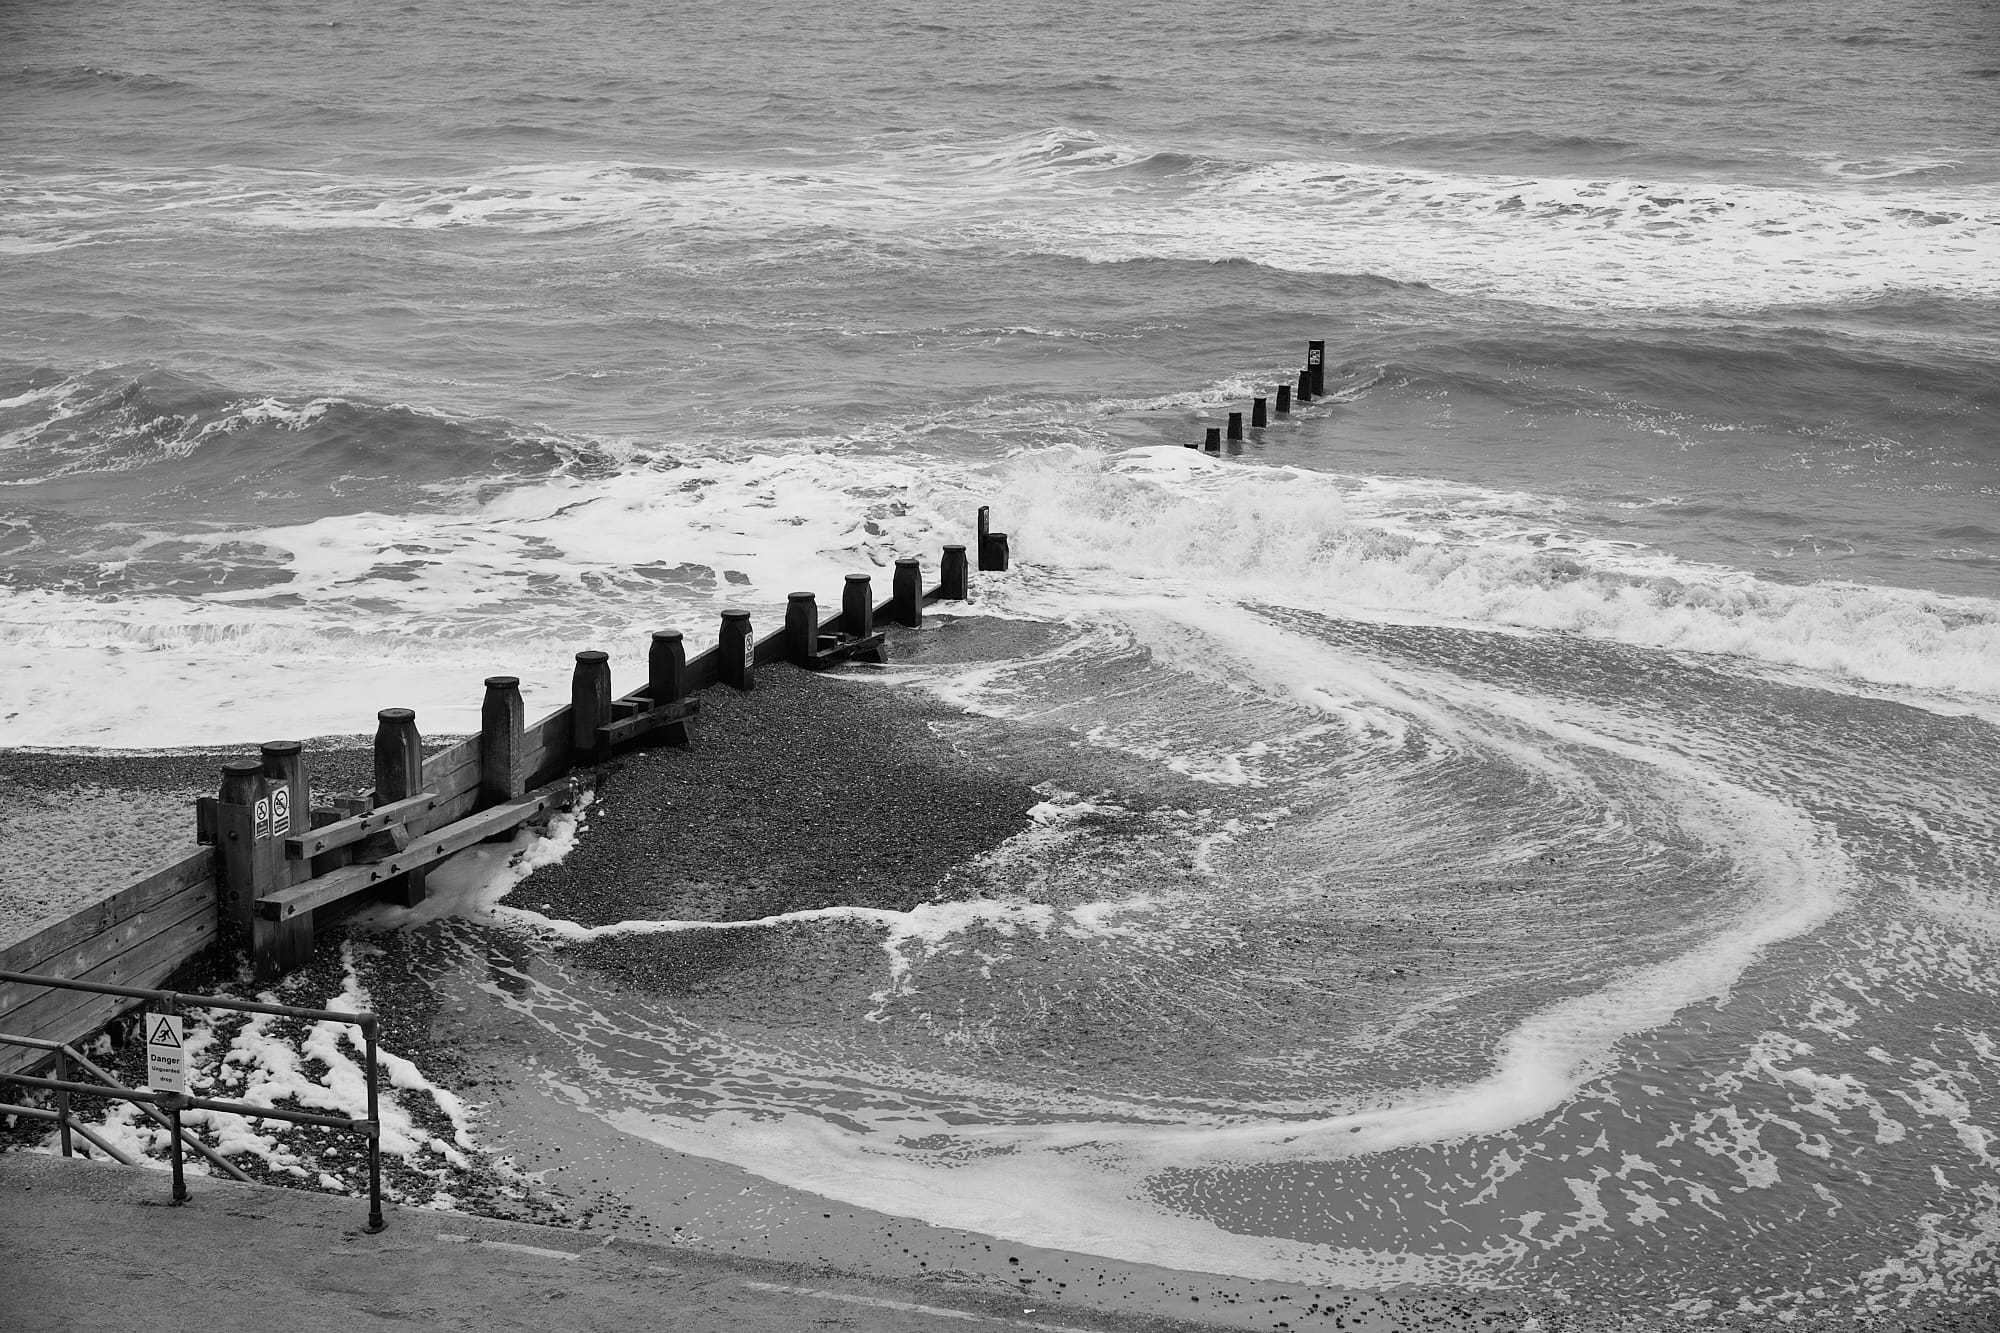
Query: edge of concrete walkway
pixel 90 1245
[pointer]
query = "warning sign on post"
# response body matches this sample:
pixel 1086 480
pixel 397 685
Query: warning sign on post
pixel 261 814
pixel 281 812
pixel 166 1056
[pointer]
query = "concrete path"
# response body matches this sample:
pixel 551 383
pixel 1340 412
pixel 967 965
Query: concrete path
pixel 97 1247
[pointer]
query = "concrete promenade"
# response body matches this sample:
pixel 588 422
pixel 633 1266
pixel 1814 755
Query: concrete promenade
pixel 97 1247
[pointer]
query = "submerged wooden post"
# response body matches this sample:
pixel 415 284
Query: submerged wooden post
pixel 1236 425
pixel 589 702
pixel 954 578
pixel 1257 417
pixel 801 628
pixel 399 775
pixel 992 548
pixel 1316 365
pixel 857 606
pixel 1284 400
pixel 1213 443
pixel 906 594
pixel 503 718
pixel 1305 390
pixel 235 833
pixel 278 946
pixel 736 651
pixel 666 668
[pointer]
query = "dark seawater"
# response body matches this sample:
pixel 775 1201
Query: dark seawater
pixel 1521 821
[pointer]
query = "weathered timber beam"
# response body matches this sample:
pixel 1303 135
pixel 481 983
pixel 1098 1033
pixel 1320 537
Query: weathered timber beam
pixel 639 724
pixel 287 903
pixel 833 649
pixel 345 831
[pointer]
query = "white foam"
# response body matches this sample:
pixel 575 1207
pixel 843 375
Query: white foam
pixel 927 925
pixel 472 883
pixel 414 610
pixel 1567 242
pixel 1097 920
pixel 1054 1200
pixel 1563 241
pixel 1145 519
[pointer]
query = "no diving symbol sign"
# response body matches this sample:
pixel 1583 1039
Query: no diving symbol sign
pixel 281 812
pixel 166 1055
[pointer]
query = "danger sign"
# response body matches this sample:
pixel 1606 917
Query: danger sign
pixel 281 812
pixel 166 1056
pixel 261 814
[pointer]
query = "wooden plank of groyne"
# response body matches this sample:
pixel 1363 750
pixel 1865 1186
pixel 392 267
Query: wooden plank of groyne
pixel 547 748
pixel 451 811
pixel 342 832
pixel 169 934
pixel 30 951
pixel 703 669
pixel 144 949
pixel 647 720
pixel 74 1016
pixel 455 769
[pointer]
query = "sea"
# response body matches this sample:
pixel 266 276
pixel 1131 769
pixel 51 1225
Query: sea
pixel 1525 820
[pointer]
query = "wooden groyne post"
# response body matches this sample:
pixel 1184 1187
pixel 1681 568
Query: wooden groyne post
pixel 399 772
pixel 906 598
pixel 503 720
pixel 992 545
pixel 954 579
pixel 736 651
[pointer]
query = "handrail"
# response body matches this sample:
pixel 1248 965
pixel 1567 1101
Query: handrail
pixel 175 1102
pixel 170 998
pixel 64 1052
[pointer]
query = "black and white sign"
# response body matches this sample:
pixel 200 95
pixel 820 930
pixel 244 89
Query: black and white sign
pixel 166 1056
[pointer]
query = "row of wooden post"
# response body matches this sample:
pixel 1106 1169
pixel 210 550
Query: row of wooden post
pixel 1311 384
pixel 264 803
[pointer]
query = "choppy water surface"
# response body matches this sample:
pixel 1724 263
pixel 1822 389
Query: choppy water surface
pixel 1517 822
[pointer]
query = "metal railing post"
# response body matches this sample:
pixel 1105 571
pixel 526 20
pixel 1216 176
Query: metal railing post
pixel 174 1102
pixel 180 1181
pixel 375 1219
pixel 62 1099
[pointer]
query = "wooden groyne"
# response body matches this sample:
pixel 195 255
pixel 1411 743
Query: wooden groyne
pixel 1311 384
pixel 267 859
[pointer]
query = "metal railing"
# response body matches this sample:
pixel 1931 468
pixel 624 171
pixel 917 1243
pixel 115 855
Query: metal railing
pixel 173 1103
